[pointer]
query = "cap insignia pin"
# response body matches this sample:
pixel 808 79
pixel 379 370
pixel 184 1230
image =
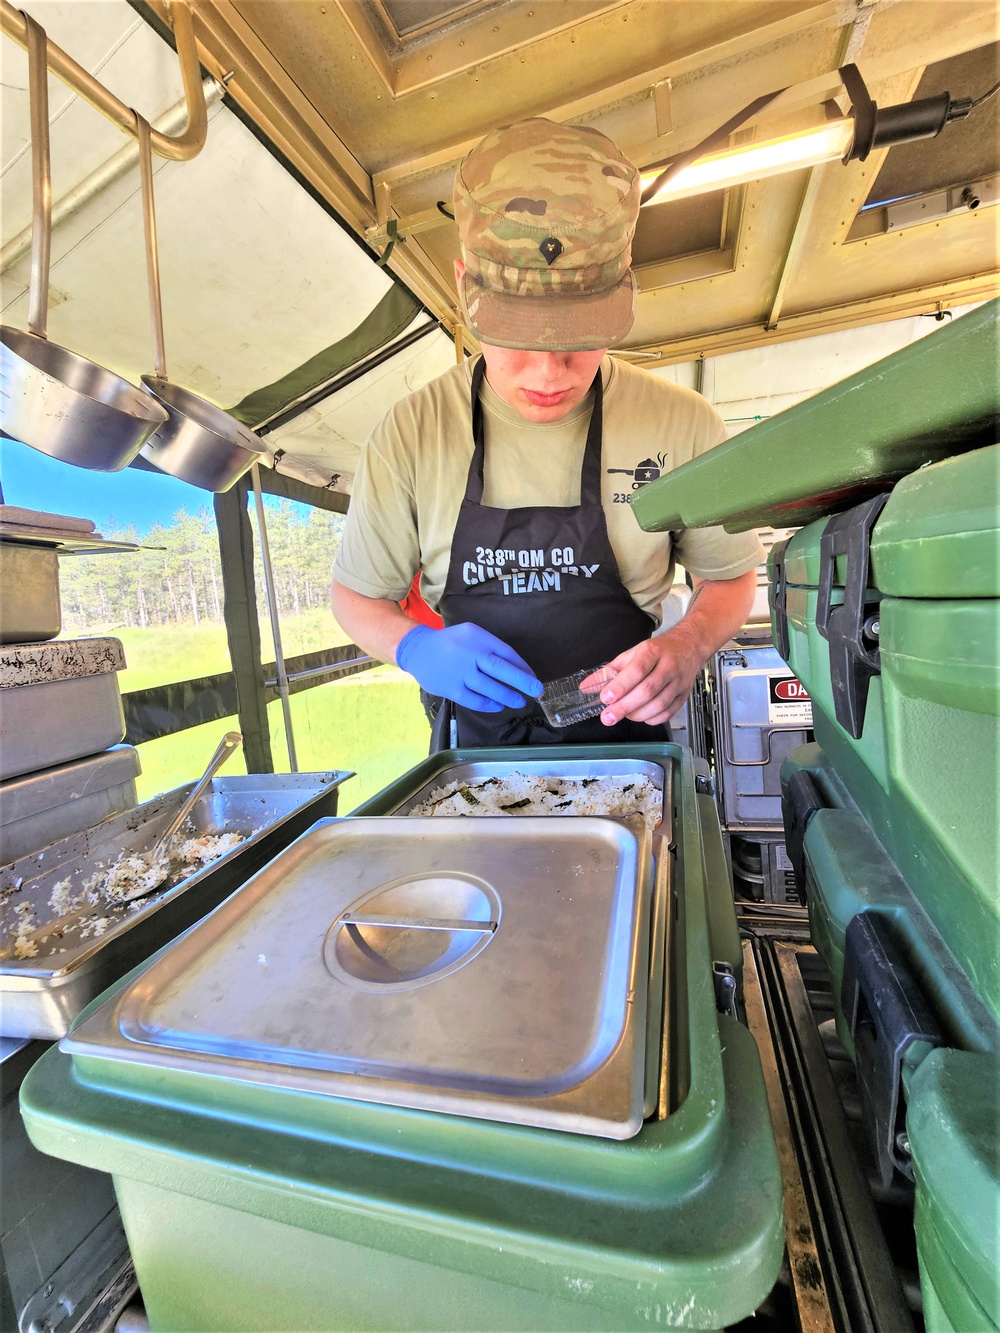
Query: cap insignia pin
pixel 551 249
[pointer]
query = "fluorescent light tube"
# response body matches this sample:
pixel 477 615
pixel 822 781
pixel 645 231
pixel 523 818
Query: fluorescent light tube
pixel 755 161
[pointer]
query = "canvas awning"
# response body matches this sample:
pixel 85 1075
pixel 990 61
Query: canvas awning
pixel 269 300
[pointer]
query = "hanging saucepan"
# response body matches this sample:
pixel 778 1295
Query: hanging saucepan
pixel 56 401
pixel 199 442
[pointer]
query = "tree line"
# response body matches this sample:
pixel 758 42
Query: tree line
pixel 177 575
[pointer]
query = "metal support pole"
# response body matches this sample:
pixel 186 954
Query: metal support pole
pixel 272 611
pixel 242 626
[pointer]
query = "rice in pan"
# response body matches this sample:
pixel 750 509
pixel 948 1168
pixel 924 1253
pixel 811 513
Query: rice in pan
pixel 528 794
pixel 91 907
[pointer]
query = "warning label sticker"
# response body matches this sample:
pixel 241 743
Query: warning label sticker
pixel 788 702
pixel 781 858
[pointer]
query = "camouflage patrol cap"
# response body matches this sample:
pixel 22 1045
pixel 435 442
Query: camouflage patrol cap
pixel 545 215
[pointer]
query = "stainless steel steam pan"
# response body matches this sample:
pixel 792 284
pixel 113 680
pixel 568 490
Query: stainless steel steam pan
pixel 660 774
pixel 575 769
pixel 40 996
pixel 43 807
pixel 494 969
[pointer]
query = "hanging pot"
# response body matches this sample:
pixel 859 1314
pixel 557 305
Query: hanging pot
pixel 199 442
pixel 54 400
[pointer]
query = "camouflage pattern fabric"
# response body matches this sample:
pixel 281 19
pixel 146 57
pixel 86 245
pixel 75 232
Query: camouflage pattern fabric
pixel 547 211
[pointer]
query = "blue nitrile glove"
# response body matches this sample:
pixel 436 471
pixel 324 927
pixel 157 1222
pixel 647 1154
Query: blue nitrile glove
pixel 467 665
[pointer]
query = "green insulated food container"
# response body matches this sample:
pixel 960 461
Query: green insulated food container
pixel 888 613
pixel 952 1127
pixel 936 398
pixel 905 683
pixel 286 1158
pixel 926 1046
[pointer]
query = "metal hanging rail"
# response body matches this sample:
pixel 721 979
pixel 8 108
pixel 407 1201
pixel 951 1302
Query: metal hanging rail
pixel 117 166
pixel 179 148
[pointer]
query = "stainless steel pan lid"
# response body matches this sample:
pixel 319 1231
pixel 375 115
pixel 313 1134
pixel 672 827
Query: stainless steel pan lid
pixel 494 969
pixel 54 400
pixel 199 442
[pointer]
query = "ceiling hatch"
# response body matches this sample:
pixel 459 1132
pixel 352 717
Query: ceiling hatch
pixel 406 19
pixel 687 239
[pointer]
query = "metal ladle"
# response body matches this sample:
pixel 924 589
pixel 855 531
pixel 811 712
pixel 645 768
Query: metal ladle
pixel 54 400
pixel 199 442
pixel 154 859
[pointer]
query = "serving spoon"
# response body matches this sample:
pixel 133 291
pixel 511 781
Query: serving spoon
pixel 153 866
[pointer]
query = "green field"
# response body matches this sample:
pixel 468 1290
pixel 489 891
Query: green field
pixel 371 723
pixel 165 653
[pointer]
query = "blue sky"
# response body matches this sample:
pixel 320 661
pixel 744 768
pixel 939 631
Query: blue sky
pixel 111 499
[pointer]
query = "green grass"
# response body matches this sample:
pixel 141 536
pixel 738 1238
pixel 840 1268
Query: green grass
pixel 165 653
pixel 371 723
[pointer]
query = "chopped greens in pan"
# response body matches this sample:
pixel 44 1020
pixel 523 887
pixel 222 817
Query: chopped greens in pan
pixel 517 793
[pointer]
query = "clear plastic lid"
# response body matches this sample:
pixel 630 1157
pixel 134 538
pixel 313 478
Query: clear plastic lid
pixel 564 702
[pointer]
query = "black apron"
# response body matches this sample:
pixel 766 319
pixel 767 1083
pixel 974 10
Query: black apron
pixel 545 581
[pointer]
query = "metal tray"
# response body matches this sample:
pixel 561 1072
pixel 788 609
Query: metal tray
pixel 478 770
pixel 661 915
pixel 40 997
pixel 58 720
pixel 43 807
pixel 494 970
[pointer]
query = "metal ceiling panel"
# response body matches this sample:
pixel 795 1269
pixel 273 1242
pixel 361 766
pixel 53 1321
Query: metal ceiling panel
pixel 968 152
pixel 408 17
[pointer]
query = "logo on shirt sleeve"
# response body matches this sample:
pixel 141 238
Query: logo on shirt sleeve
pixel 650 469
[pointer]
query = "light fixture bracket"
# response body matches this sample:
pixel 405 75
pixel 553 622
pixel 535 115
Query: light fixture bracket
pixel 905 122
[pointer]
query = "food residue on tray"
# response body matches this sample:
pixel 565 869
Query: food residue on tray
pixel 526 794
pixel 101 900
pixel 23 928
pixel 133 872
pixel 95 925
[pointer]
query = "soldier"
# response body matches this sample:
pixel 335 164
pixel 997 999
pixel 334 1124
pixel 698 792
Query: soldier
pixel 506 482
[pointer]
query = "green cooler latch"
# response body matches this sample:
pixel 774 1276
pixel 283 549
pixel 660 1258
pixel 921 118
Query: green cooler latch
pixel 778 597
pixel 887 1015
pixel 726 988
pixel 800 799
pixel 851 629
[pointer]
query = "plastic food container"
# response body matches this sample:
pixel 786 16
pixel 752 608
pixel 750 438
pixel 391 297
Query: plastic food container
pixel 563 702
pixel 918 754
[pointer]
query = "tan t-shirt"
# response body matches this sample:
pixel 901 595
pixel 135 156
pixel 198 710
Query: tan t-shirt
pixel 411 480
